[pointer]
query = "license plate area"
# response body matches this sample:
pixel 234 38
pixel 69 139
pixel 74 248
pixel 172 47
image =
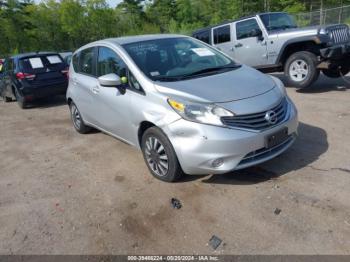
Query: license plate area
pixel 276 138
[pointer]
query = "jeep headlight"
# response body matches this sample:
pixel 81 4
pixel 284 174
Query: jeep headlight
pixel 201 113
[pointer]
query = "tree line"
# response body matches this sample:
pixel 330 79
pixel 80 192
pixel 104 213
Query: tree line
pixel 68 24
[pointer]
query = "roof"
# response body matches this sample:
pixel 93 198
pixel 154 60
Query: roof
pixel 231 21
pixel 32 54
pixel 139 38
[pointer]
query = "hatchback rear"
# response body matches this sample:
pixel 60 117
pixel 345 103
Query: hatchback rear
pixel 35 75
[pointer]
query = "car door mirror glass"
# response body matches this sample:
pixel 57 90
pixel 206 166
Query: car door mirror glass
pixel 110 80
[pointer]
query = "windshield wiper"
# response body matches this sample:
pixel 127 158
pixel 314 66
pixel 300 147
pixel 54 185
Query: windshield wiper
pixel 212 69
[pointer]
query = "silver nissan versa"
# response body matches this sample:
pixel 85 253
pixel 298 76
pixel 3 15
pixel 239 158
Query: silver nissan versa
pixel 187 106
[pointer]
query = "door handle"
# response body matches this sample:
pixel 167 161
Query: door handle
pixel 238 45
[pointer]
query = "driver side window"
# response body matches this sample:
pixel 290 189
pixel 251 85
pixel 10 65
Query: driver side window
pixel 245 28
pixel 109 62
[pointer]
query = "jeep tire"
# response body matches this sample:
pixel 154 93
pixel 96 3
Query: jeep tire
pixel 336 72
pixel 301 69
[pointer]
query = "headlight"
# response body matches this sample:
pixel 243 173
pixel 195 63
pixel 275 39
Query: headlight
pixel 280 85
pixel 201 113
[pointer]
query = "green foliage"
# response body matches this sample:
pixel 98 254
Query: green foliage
pixel 69 24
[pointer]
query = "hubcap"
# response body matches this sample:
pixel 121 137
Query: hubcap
pixel 76 117
pixel 156 156
pixel 298 70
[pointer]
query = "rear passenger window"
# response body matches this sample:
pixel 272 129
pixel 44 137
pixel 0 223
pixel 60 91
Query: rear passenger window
pixel 222 34
pixel 86 61
pixel 109 62
pixel 245 28
pixel 203 36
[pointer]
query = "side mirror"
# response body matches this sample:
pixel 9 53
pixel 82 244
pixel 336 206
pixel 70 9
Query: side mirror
pixel 257 33
pixel 110 80
pixel 113 80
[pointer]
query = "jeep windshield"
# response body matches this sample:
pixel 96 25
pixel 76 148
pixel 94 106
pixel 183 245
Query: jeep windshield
pixel 278 21
pixel 175 59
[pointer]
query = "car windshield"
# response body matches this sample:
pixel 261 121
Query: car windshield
pixel 174 59
pixel 278 21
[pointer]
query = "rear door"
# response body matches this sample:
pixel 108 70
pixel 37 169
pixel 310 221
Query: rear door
pixel 83 82
pixel 222 38
pixel 43 69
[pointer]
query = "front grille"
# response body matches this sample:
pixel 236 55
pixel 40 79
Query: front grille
pixel 257 121
pixel 340 34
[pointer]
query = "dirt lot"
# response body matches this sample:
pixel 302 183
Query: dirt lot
pixel 66 193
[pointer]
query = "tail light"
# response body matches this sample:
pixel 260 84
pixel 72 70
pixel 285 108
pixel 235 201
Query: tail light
pixel 21 76
pixel 66 72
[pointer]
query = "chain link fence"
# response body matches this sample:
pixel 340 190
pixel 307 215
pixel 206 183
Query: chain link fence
pixel 326 16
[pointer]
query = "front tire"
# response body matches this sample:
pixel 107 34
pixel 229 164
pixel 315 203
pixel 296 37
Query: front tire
pixel 160 156
pixel 6 99
pixel 77 120
pixel 20 99
pixel 301 69
pixel 336 72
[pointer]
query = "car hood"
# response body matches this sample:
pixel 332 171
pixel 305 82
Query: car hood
pixel 241 83
pixel 303 31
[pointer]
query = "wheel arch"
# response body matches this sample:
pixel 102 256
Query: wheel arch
pixel 144 125
pixel 309 44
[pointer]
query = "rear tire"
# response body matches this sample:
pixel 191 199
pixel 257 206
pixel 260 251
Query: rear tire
pixel 301 69
pixel 77 120
pixel 20 99
pixel 160 156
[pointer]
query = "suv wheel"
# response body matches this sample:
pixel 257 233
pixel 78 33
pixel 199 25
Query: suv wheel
pixel 20 99
pixel 6 99
pixel 301 69
pixel 336 72
pixel 77 120
pixel 160 156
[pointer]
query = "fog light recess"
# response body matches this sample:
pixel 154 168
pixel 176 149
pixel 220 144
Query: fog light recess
pixel 217 162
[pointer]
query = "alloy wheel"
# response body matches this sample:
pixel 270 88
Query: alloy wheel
pixel 156 156
pixel 76 117
pixel 298 70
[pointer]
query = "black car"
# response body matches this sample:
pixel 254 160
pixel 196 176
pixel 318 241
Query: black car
pixel 30 76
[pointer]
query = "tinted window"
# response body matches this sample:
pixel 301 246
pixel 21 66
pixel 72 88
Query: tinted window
pixel 245 28
pixel 203 36
pixel 41 63
pixel 222 34
pixel 75 62
pixel 86 61
pixel 109 62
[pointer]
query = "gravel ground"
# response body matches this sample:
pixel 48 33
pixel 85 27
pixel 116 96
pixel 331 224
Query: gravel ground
pixel 66 193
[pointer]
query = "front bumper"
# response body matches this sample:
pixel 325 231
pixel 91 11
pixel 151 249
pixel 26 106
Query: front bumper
pixel 197 145
pixel 336 52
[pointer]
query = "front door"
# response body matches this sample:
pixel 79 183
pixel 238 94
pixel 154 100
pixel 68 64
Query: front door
pixel 249 49
pixel 111 106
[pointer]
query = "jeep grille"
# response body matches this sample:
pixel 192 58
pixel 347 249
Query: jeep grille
pixel 340 34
